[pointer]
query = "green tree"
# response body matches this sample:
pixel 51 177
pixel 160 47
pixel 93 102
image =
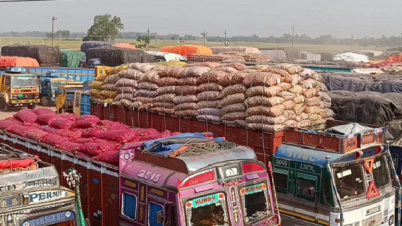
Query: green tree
pixel 143 42
pixel 105 28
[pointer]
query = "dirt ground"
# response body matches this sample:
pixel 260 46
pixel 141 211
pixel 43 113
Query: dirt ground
pixel 13 110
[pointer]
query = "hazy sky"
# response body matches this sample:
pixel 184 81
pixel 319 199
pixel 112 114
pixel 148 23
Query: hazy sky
pixel 340 18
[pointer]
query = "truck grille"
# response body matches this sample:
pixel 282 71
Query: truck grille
pixel 26 96
pixel 373 220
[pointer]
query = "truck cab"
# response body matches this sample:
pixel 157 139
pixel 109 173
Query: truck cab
pixel 17 88
pixel 48 89
pixel 65 97
pixel 49 86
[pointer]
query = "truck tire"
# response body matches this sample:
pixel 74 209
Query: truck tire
pixel 45 101
pixel 3 105
pixel 32 106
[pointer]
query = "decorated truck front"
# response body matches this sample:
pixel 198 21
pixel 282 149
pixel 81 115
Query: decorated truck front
pixel 191 180
pixel 30 191
pixel 335 189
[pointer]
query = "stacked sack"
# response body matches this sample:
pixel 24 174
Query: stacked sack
pixel 126 86
pixel 167 90
pixel 187 90
pixel 285 95
pixel 232 97
pixel 146 88
pixel 317 101
pixel 208 95
pixel 96 88
pixel 109 89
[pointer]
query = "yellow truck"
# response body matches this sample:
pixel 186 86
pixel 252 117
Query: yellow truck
pixel 65 97
pixel 18 89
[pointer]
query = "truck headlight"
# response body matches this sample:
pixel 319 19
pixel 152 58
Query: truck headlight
pixel 391 220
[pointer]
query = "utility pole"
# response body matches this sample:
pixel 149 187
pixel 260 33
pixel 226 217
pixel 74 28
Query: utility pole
pixel 53 19
pixel 148 40
pixel 351 42
pixel 205 37
pixel 293 35
pixel 226 41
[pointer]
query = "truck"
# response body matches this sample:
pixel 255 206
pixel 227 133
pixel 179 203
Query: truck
pixel 298 157
pixel 18 88
pixel 65 97
pixel 31 193
pixel 51 82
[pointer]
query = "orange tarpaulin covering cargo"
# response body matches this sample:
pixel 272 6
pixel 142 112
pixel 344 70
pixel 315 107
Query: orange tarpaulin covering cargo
pixel 167 49
pixel 185 50
pixel 12 61
pixel 395 58
pixel 123 45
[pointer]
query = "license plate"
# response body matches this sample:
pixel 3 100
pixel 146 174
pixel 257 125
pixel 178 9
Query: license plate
pixel 50 219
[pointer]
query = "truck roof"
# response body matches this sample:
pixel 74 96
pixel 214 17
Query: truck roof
pixel 318 157
pixel 188 154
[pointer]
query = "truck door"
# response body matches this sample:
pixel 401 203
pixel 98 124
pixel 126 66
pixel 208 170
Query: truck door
pixel 171 215
pixel 77 103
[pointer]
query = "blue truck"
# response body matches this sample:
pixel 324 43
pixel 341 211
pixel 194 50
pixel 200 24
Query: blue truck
pixel 52 77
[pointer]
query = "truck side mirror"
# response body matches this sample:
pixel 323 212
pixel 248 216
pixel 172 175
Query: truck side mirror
pixel 160 217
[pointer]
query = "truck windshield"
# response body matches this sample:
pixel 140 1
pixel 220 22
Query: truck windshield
pixel 380 172
pixel 349 181
pixel 209 210
pixel 25 81
pixel 256 205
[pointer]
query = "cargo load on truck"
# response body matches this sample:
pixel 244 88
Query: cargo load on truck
pixel 71 58
pixel 113 56
pixel 11 61
pixel 262 97
pixel 47 56
pixel 85 46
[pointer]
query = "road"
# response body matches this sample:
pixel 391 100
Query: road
pixel 290 221
pixel 12 111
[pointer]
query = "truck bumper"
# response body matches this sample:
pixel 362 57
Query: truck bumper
pixel 25 102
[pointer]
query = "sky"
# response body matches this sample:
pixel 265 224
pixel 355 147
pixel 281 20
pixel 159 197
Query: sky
pixel 340 18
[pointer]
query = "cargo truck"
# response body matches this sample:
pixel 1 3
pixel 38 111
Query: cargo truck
pixel 51 82
pixel 31 193
pixel 17 88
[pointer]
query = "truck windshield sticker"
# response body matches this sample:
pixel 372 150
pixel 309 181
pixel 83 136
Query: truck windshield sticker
pixel 42 196
pixel 253 189
pixel 50 219
pixel 205 200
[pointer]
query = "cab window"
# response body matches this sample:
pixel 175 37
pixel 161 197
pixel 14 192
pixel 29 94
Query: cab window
pixel 129 206
pixel 306 186
pixel 155 213
pixel 8 80
pixel 327 191
pixel 281 179
pixel 46 84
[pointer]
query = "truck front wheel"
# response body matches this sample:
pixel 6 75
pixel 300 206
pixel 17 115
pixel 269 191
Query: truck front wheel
pixel 3 105
pixel 45 101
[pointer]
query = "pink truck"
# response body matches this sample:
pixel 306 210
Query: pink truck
pixel 189 179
